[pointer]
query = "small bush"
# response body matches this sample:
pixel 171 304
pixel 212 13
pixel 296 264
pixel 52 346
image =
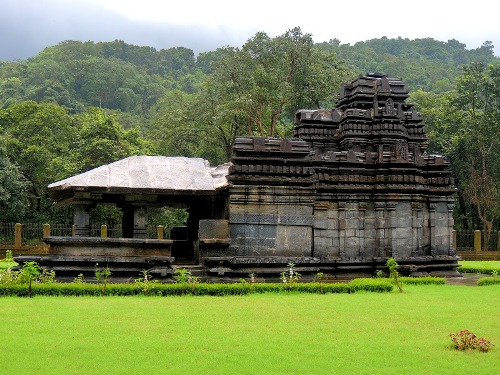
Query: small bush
pixel 466 340
pixel 393 266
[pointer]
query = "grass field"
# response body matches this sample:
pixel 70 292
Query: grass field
pixel 362 333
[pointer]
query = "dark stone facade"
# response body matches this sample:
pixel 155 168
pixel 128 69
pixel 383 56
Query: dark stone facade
pixel 354 187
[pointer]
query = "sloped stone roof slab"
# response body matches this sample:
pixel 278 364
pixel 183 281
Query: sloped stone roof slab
pixel 152 174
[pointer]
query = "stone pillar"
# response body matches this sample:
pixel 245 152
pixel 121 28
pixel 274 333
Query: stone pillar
pixel 361 230
pixel 332 233
pixel 46 230
pixel 379 229
pixel 477 240
pixel 351 232
pixel 453 241
pixel 417 227
pixel 432 228
pixel 18 236
pixel 140 222
pixel 81 220
pixel 160 232
pixel 104 231
pixel 342 228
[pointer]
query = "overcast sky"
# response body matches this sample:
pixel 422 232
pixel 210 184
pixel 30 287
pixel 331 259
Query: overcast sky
pixel 28 26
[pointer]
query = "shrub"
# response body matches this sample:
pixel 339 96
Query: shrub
pixel 466 340
pixel 393 266
pixel 484 281
pixel 8 263
pixel 290 276
pixel 132 289
pixel 102 276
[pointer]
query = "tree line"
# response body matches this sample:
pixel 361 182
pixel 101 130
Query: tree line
pixel 78 105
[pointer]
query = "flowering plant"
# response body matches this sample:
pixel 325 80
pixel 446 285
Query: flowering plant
pixel 291 276
pixel 466 340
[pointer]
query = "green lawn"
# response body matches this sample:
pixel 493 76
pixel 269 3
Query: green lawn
pixel 362 333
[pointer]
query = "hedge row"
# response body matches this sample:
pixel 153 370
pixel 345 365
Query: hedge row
pixel 427 280
pixel 488 281
pixel 477 269
pixel 199 289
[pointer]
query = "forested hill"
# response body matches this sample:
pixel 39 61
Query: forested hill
pixel 130 78
pixel 426 64
pixel 111 75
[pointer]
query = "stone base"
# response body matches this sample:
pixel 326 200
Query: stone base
pixel 108 247
pixel 270 268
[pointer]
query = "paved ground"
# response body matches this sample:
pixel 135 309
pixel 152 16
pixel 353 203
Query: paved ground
pixel 466 279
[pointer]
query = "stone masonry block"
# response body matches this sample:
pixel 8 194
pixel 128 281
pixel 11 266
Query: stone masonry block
pixel 213 229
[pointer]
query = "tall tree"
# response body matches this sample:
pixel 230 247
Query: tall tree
pixel 256 90
pixel 478 142
pixel 13 189
pixel 38 138
pixel 464 124
pixel 101 140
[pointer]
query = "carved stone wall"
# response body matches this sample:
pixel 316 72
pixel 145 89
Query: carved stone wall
pixel 354 186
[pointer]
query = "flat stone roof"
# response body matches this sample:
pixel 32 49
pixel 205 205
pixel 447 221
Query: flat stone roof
pixel 149 173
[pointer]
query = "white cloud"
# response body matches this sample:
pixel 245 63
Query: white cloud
pixel 470 23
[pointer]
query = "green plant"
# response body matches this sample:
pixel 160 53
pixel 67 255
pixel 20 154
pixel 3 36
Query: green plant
pixel 102 276
pixel 252 277
pixel 290 277
pixel 29 273
pixel 466 340
pixel 379 273
pixel 182 275
pixel 9 262
pixel 7 276
pixel 146 282
pixel 185 278
pixel 47 277
pixel 393 266
pixel 494 273
pixel 80 279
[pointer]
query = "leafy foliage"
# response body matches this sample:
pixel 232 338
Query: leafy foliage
pixel 466 340
pixel 393 266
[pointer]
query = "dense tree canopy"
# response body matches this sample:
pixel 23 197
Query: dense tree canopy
pixel 464 124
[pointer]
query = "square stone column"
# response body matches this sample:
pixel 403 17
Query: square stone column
pixel 81 220
pixel 140 222
pixel 135 221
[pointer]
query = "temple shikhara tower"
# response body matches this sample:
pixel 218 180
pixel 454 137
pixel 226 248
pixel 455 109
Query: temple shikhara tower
pixel 352 188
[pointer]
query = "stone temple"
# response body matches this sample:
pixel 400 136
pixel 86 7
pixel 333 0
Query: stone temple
pixel 352 188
